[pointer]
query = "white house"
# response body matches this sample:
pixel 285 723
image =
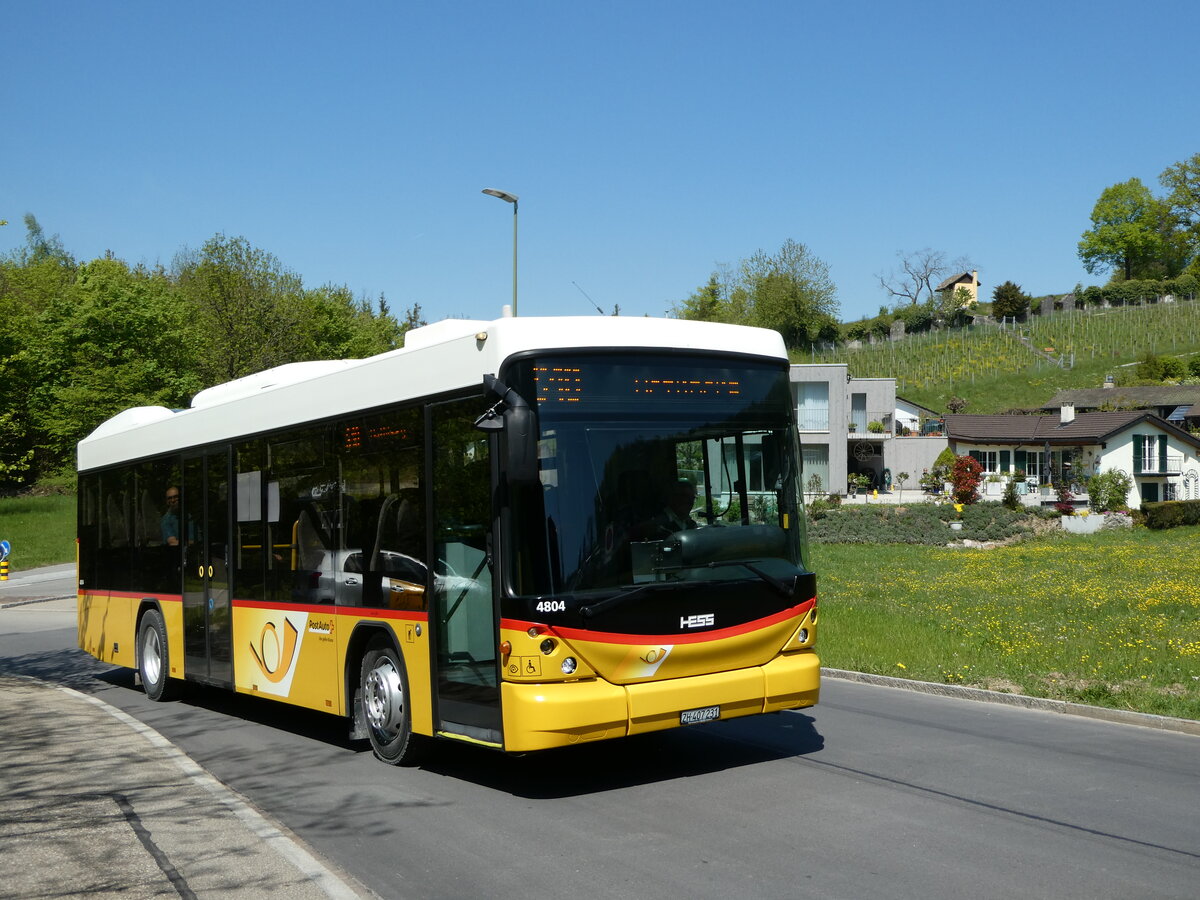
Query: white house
pixel 1162 459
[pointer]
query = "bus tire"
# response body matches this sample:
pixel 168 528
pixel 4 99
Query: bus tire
pixel 383 687
pixel 153 658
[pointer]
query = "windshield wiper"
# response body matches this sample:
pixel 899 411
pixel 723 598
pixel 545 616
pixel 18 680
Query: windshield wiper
pixel 777 583
pixel 616 600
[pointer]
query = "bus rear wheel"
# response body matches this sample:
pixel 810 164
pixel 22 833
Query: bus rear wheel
pixel 153 657
pixel 383 687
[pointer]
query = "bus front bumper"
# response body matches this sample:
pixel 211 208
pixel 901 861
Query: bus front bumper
pixel 559 714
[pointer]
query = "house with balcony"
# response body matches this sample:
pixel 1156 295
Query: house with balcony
pixel 1162 459
pixel 858 426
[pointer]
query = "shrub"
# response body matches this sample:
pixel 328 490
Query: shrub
pixel 1064 505
pixel 1173 367
pixel 1109 491
pixel 1011 500
pixel 965 475
pixel 921 523
pixel 875 427
pixel 1171 513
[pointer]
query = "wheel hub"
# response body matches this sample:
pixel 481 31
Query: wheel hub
pixel 383 698
pixel 151 656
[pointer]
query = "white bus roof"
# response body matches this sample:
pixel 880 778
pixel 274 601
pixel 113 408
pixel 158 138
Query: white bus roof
pixel 446 356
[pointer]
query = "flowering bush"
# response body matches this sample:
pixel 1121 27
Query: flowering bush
pixel 965 475
pixel 1064 504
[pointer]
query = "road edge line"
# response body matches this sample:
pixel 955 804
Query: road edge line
pixel 1063 707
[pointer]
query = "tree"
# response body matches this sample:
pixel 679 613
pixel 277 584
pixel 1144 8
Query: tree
pixel 916 282
pixel 1009 300
pixel 1132 234
pixel 1182 181
pixel 952 307
pixel 706 303
pixel 249 304
pixel 956 404
pixel 789 291
pixel 118 338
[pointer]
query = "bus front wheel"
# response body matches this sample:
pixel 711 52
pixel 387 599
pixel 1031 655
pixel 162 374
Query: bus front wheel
pixel 383 688
pixel 153 657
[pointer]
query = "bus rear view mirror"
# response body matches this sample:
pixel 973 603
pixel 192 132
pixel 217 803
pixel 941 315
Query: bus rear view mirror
pixel 520 454
pixel 516 421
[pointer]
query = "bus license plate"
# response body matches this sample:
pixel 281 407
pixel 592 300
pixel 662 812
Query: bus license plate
pixel 696 716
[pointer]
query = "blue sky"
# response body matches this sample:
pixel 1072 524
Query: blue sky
pixel 649 142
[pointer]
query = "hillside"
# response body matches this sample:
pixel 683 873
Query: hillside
pixel 995 369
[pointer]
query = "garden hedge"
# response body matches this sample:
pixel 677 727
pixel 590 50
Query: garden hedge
pixel 1171 513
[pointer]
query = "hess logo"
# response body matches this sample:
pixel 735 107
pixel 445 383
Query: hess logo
pixel 704 620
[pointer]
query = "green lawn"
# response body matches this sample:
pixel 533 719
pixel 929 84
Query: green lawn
pixel 40 529
pixel 1111 619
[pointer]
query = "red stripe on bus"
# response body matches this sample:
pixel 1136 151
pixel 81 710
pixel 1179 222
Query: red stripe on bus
pixel 135 595
pixel 363 611
pixel 695 638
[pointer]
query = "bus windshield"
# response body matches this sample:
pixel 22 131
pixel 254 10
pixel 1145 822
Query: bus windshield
pixel 658 474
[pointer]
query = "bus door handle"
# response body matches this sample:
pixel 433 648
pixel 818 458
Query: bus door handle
pixel 210 571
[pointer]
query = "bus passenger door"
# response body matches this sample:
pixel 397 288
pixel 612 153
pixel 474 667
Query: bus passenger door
pixel 207 618
pixel 462 613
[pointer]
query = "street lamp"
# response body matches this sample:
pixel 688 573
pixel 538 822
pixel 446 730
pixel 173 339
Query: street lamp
pixel 509 198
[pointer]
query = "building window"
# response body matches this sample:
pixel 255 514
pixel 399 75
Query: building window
pixel 1149 455
pixel 816 466
pixel 1033 468
pixel 988 459
pixel 858 412
pixel 812 406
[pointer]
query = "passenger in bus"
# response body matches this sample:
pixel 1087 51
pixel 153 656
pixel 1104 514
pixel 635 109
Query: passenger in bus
pixel 169 524
pixel 676 514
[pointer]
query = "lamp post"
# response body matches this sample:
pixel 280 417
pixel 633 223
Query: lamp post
pixel 509 198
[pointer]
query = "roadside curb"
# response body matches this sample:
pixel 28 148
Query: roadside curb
pixel 7 604
pixel 979 695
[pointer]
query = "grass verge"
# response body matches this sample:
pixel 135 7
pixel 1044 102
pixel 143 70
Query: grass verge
pixel 1111 619
pixel 41 529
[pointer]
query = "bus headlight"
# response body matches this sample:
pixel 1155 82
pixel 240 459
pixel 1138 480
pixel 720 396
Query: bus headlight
pixel 569 665
pixel 802 637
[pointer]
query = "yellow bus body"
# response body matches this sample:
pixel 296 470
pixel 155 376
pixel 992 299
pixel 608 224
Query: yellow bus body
pixel 621 685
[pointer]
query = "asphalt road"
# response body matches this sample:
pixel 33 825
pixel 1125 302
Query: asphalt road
pixel 875 793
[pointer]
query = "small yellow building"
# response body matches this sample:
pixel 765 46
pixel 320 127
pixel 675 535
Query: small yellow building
pixel 969 281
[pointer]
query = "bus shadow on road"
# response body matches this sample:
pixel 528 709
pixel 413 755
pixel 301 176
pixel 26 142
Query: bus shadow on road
pixel 659 757
pixel 646 759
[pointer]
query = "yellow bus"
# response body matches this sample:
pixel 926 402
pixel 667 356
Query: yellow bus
pixel 525 534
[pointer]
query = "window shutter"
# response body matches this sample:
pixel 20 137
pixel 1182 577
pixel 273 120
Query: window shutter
pixel 1162 453
pixel 1020 462
pixel 1004 459
pixel 974 454
pixel 1137 454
